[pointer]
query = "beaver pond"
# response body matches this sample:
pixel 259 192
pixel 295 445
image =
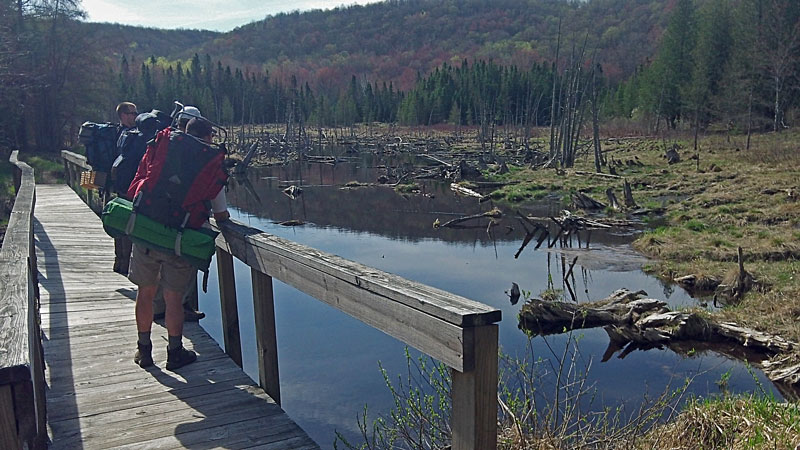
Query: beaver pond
pixel 329 361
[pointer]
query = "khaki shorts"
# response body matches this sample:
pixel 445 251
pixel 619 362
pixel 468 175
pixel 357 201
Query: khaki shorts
pixel 149 267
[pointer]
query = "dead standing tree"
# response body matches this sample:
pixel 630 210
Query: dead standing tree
pixel 569 106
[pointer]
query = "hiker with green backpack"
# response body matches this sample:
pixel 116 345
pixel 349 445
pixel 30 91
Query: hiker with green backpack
pixel 178 183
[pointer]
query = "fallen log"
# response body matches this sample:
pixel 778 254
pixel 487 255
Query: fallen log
pixel 464 191
pixel 634 322
pixel 492 214
pixel 583 201
pixel 241 167
pixel 594 174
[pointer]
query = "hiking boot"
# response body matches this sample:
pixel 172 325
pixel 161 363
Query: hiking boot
pixel 190 315
pixel 179 357
pixel 144 355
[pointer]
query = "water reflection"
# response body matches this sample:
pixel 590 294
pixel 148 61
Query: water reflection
pixel 329 361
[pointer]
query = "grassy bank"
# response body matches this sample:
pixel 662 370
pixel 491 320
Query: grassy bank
pixel 730 423
pixel 732 198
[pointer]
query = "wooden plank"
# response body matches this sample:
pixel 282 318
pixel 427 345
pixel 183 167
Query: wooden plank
pixel 14 349
pixel 243 434
pixel 228 307
pixel 266 335
pixel 165 419
pixel 474 395
pixel 99 398
pixel 9 438
pixel 244 242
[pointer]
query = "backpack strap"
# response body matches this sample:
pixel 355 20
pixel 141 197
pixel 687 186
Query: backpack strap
pixel 132 218
pixel 179 235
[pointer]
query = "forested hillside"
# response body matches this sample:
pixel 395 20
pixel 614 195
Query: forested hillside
pixel 396 39
pixel 114 41
pixel 689 63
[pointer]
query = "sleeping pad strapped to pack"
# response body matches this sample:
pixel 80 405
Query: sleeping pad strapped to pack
pixel 196 246
pixel 172 192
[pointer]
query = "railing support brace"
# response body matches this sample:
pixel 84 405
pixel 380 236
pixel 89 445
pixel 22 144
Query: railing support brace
pixel 474 395
pixel 228 308
pixel 266 336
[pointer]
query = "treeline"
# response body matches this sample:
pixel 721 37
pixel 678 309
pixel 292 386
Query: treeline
pixel 471 94
pixel 735 62
pixel 481 93
pixel 231 95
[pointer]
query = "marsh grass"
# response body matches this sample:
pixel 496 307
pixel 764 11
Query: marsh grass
pixel 732 423
pixel 543 402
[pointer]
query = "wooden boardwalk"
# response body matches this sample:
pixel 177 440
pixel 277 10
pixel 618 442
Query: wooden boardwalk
pixel 97 397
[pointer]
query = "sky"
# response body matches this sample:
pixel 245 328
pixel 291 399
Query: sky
pixel 217 15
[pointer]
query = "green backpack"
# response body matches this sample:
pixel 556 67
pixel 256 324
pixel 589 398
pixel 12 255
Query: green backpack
pixel 196 246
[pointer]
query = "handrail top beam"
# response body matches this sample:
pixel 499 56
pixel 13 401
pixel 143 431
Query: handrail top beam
pixel 449 307
pixel 14 280
pixel 75 158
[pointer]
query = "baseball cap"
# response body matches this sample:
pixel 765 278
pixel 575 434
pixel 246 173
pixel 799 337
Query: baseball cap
pixel 189 112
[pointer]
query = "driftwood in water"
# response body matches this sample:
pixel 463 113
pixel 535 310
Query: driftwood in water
pixel 574 222
pixel 492 214
pixel 634 322
pixel 293 191
pixel 583 201
pixel 242 165
pixel 435 159
pixel 530 233
pixel 464 191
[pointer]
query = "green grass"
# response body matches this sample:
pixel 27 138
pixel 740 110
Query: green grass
pixel 47 169
pixel 6 191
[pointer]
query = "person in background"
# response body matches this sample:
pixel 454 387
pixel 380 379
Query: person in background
pixel 187 114
pixel 126 111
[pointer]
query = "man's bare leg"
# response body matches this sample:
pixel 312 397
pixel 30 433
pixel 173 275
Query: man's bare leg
pixel 144 319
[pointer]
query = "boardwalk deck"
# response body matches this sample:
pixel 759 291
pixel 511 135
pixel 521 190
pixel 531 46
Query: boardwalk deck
pixel 97 397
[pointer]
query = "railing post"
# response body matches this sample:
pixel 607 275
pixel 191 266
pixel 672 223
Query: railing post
pixel 266 336
pixel 8 426
pixel 474 393
pixel 228 308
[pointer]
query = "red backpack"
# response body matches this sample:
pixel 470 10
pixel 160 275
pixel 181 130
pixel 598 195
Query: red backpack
pixel 177 179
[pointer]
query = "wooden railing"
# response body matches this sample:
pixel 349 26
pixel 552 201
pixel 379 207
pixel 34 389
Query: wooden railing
pixel 74 164
pixel 454 330
pixel 23 420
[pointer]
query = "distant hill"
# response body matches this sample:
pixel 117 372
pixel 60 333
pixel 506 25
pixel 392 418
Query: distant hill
pixel 115 40
pixel 396 39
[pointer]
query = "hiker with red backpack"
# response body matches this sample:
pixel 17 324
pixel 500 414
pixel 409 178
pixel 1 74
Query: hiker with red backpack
pixel 131 146
pixel 179 179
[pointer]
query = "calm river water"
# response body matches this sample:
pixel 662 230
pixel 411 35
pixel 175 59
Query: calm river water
pixel 329 361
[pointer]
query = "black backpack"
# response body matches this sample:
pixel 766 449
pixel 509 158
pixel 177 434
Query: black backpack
pixel 132 145
pixel 100 140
